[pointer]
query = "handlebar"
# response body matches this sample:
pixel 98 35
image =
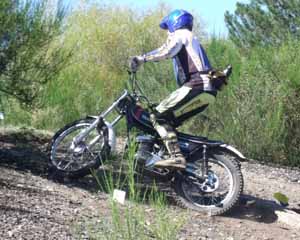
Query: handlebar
pixel 137 91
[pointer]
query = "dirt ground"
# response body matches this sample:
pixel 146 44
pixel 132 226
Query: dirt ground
pixel 33 206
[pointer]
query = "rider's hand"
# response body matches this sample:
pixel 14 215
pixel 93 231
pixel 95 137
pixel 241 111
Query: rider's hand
pixel 135 62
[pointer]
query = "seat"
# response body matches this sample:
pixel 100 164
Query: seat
pixel 199 139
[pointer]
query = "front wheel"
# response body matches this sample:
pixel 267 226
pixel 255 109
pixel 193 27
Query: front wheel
pixel 216 192
pixel 69 160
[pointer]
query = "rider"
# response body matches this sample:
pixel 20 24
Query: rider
pixel 191 67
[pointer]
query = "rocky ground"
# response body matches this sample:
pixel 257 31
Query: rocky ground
pixel 32 206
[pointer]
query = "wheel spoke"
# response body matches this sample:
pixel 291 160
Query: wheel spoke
pixel 215 194
pixel 66 159
pixel 210 194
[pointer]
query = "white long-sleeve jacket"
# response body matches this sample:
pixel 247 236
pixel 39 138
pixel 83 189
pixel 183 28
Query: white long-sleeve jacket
pixel 190 60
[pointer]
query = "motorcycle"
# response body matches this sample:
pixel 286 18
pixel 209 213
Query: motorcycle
pixel 212 181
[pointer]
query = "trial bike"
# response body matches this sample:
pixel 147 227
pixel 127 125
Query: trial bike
pixel 212 181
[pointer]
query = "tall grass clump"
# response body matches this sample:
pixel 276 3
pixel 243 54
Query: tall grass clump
pixel 145 214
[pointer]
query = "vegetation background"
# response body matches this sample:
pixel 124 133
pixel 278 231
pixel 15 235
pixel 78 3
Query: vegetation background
pixel 258 112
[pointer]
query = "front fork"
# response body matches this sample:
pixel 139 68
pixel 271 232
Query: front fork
pixel 99 122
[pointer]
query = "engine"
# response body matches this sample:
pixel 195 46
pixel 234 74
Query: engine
pixel 146 153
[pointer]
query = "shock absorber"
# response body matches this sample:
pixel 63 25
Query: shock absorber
pixel 204 162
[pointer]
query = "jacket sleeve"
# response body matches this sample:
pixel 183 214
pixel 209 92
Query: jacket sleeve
pixel 167 50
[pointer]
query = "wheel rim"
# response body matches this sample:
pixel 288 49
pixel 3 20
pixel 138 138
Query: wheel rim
pixel 211 199
pixel 71 160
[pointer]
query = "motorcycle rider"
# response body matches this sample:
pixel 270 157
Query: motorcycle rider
pixel 191 67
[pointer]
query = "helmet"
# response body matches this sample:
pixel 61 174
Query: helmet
pixel 177 19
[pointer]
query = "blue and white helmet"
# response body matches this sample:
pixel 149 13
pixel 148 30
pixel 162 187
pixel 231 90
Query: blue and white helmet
pixel 177 19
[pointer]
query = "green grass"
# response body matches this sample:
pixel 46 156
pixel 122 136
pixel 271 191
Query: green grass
pixel 145 215
pixel 136 222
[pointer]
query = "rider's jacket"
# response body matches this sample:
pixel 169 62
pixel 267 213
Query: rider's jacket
pixel 190 60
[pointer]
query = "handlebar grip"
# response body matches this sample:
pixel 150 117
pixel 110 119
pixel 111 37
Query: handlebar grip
pixel 133 64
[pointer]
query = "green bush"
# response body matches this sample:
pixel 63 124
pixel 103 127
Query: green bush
pixel 259 110
pixel 103 38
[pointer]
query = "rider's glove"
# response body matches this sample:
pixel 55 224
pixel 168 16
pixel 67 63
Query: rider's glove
pixel 135 62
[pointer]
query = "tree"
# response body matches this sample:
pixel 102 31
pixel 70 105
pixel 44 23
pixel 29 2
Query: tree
pixel 264 22
pixel 27 58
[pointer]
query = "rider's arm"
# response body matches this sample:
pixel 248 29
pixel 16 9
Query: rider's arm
pixel 167 50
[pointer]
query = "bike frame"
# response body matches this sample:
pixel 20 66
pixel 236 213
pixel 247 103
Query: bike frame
pixel 100 121
pixel 101 118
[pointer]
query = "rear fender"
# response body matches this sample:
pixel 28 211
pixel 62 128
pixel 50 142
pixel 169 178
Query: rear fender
pixel 232 150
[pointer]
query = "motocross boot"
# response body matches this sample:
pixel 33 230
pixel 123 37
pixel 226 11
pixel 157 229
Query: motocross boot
pixel 167 133
pixel 176 159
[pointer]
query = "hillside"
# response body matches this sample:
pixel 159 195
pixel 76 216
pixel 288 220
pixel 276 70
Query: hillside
pixel 33 206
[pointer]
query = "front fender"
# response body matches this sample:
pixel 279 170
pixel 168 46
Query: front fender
pixel 233 151
pixel 111 137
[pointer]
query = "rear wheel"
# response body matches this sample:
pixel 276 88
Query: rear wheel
pixel 76 161
pixel 215 193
